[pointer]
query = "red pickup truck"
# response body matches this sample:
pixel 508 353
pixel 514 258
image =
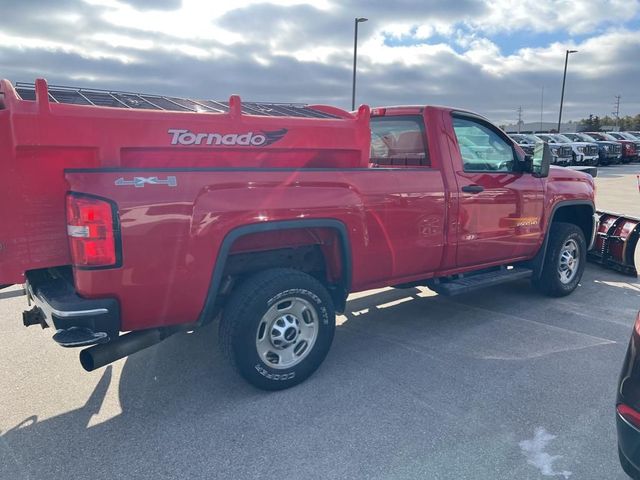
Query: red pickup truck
pixel 151 215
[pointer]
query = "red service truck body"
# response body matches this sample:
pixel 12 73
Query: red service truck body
pixel 151 215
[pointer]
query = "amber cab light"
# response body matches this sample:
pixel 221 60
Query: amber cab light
pixel 92 230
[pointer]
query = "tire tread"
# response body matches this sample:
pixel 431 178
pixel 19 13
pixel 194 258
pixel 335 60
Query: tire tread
pixel 237 307
pixel 548 283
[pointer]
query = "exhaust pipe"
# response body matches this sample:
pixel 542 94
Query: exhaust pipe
pixel 100 355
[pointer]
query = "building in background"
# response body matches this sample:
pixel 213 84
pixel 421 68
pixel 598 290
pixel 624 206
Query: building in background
pixel 541 127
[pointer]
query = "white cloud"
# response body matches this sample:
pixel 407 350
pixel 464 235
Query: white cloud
pixel 410 51
pixel 574 16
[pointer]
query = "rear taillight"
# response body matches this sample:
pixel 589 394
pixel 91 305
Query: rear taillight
pixel 636 326
pixel 92 228
pixel 629 414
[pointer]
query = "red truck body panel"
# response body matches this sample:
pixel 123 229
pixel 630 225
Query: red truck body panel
pixel 403 223
pixel 171 237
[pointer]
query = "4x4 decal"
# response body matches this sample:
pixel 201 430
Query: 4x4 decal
pixel 140 182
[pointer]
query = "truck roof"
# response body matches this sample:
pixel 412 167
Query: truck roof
pixel 418 109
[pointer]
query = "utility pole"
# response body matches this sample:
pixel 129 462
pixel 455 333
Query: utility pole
pixel 541 106
pixel 616 112
pixel 519 117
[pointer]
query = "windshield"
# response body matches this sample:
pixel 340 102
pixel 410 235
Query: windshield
pixel 530 138
pixel 563 138
pixel 607 136
pixel 586 137
pixel 597 135
pixel 546 137
pixel 629 136
pixel 521 138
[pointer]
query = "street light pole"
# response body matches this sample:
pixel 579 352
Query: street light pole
pixel 355 57
pixel 564 79
pixel 542 107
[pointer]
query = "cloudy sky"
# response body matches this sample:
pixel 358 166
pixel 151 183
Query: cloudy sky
pixel 488 56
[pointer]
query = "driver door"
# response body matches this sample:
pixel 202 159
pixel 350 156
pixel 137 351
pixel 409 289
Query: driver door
pixel 500 208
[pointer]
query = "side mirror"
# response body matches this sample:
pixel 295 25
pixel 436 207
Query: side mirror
pixel 541 160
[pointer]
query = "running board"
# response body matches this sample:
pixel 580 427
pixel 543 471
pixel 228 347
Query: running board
pixel 477 281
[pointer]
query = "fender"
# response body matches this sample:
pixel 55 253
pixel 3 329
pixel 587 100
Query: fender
pixel 537 261
pixel 216 276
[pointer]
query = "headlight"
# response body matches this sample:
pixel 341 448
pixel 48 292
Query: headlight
pixel 554 150
pixel 581 149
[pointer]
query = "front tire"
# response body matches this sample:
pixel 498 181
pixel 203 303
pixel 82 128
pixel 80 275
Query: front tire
pixel 277 328
pixel 564 261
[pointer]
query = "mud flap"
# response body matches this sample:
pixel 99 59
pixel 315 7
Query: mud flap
pixel 615 242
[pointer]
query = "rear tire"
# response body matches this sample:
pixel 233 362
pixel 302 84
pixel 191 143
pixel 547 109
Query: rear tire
pixel 564 261
pixel 277 328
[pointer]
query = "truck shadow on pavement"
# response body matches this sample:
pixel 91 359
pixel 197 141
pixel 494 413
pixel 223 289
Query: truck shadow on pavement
pixel 181 413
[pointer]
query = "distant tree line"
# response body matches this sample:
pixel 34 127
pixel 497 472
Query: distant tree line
pixel 594 122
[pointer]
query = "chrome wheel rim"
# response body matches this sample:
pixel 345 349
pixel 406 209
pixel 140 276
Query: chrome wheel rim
pixel 287 332
pixel 569 261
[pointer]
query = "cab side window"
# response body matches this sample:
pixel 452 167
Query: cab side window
pixel 398 140
pixel 482 149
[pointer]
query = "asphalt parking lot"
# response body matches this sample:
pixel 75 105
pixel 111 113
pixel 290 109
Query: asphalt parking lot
pixel 498 384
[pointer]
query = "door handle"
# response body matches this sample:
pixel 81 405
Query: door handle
pixel 472 188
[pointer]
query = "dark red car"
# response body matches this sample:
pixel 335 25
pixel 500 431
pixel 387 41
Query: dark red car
pixel 629 147
pixel 628 406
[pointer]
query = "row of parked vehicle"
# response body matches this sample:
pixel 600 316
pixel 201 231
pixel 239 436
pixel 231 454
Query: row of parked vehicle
pixel 585 148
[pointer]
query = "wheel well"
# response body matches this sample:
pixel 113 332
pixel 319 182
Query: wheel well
pixel 320 252
pixel 580 215
pixel 306 258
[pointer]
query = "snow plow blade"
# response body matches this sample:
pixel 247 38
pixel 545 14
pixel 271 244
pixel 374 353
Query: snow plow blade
pixel 615 242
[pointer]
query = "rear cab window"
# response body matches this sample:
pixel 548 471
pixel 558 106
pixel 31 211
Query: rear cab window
pixel 398 140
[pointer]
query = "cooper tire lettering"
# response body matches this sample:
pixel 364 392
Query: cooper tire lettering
pixel 274 376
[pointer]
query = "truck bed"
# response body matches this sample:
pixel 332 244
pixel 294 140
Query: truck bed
pixel 45 131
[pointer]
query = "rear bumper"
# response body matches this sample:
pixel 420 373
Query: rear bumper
pixel 62 308
pixel 628 446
